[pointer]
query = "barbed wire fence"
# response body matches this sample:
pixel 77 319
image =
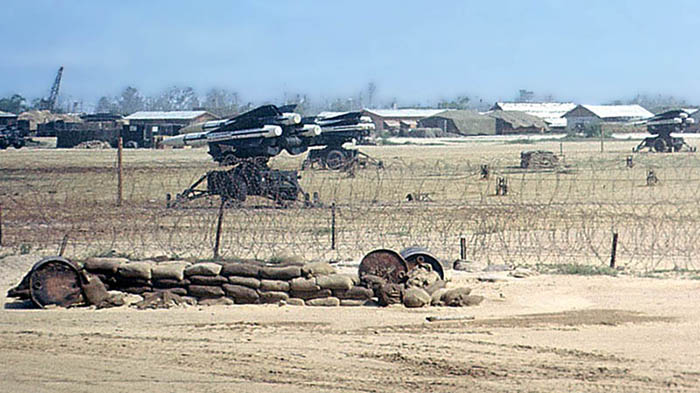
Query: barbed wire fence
pixel 547 216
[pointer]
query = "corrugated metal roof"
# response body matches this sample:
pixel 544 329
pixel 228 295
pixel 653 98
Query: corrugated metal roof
pixel 326 114
pixel 619 111
pixel 7 114
pixel 166 115
pixel 551 112
pixel 419 113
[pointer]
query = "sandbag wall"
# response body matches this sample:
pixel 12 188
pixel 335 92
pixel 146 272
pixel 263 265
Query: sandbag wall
pixel 315 284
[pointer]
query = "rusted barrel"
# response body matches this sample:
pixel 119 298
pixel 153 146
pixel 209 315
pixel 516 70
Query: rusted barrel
pixel 415 256
pixel 386 264
pixel 55 280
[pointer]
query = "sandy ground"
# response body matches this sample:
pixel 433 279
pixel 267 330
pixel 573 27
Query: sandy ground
pixel 542 333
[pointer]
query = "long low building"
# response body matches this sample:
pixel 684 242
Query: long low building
pixel 7 118
pixel 468 122
pixel 398 119
pixel 167 122
pixel 550 112
pixel 460 122
pixel 584 116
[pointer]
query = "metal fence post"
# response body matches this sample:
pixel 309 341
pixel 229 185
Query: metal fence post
pixel 462 248
pixel 64 243
pixel 333 226
pixel 219 223
pixel 614 251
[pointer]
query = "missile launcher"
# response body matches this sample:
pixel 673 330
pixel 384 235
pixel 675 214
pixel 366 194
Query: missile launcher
pixel 662 125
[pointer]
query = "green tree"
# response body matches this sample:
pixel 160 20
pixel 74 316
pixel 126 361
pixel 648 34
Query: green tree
pixel 15 104
pixel 130 101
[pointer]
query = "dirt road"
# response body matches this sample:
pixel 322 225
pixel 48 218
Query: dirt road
pixel 543 333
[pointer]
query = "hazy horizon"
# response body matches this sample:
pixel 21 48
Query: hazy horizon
pixel 415 52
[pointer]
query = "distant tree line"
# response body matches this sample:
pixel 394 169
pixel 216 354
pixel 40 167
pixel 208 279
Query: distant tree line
pixel 225 103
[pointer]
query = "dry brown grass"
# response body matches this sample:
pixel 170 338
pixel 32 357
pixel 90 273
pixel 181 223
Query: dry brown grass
pixel 547 217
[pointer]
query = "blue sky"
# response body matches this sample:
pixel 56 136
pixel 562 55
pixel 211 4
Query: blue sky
pixel 415 51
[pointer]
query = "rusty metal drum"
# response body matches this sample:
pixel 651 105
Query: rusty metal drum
pixel 415 256
pixel 55 281
pixel 386 264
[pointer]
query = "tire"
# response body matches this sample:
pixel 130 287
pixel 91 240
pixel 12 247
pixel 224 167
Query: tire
pixel 18 144
pixel 660 146
pixel 335 159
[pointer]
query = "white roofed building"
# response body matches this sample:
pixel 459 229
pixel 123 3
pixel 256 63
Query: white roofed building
pixel 167 122
pixel 550 112
pixel 586 115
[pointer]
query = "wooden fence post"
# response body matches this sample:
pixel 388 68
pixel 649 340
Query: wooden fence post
pixel 120 149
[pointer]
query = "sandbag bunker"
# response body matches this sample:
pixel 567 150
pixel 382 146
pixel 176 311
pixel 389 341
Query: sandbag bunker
pixel 414 278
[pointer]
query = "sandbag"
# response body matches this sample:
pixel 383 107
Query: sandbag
pixel 176 291
pixel 162 299
pixel 170 270
pixel 389 294
pixel 419 277
pixel 324 302
pixel 303 284
pixel 352 303
pixel 204 291
pixel 457 297
pixel 311 295
pixel 136 290
pixel 416 297
pixel 203 269
pixel 241 294
pixel 168 283
pixel 274 285
pixel 208 280
pixel 273 297
pixel 355 293
pixel 315 269
pixel 216 301
pixel 249 282
pixel 104 265
pixel 436 297
pixel 123 282
pixel 373 282
pixel 439 284
pixel 94 290
pixel 280 273
pixel 140 269
pixel 240 269
pixel 295 302
pixel 465 301
pixel 334 281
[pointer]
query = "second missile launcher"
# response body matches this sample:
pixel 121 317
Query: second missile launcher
pixel 661 126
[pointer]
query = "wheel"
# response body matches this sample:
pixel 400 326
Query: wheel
pixel 3 144
pixel 660 145
pixel 335 159
pixel 18 144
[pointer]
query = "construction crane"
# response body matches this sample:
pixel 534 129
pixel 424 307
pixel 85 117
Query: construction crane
pixel 50 103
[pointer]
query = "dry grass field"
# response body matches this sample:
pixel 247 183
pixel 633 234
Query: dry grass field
pixel 547 217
